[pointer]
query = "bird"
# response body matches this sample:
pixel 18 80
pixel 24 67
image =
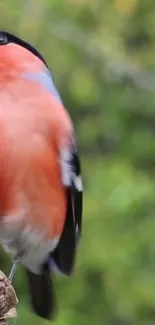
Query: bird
pixel 41 187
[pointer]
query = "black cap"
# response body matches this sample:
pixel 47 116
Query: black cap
pixel 6 38
pixel 3 39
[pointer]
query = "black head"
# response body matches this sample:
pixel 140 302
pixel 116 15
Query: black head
pixel 3 38
pixel 6 38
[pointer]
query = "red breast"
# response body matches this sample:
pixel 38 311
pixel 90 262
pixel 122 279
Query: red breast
pixel 32 127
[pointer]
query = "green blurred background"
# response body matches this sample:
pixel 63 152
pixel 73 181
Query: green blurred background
pixel 102 57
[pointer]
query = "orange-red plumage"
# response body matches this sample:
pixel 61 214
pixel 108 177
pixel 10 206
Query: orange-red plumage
pixel 32 126
pixel 40 182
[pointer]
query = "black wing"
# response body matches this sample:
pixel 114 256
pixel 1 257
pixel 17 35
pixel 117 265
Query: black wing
pixel 64 255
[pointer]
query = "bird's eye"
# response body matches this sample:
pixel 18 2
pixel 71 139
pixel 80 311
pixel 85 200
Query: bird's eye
pixel 3 39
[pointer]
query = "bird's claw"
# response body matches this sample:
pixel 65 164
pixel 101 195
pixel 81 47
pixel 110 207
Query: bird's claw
pixel 13 269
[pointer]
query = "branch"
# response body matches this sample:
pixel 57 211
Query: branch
pixel 8 300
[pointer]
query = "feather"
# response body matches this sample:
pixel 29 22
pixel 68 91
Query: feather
pixel 64 254
pixel 41 294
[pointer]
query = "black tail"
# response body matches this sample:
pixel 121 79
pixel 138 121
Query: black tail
pixel 41 294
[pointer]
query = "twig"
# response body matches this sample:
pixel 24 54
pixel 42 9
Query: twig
pixel 8 300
